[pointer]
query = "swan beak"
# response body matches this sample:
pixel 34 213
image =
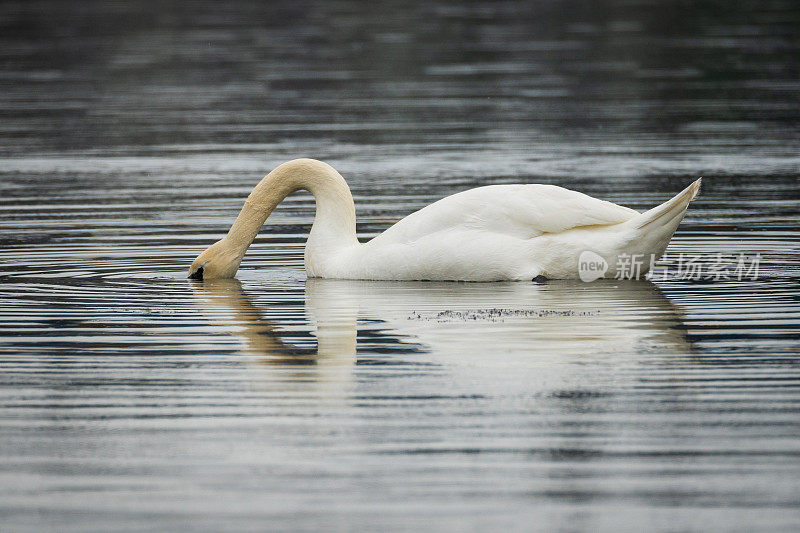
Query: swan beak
pixel 196 274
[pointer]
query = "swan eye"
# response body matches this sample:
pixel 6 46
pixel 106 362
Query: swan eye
pixel 197 274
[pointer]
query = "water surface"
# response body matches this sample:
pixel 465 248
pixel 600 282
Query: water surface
pixel 135 400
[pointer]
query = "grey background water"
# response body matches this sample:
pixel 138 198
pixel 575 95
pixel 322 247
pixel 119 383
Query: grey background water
pixel 132 400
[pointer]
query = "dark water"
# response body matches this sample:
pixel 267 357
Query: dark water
pixel 133 400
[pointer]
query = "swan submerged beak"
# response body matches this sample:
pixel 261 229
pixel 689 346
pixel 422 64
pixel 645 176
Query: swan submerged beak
pixel 198 267
pixel 218 261
pixel 196 274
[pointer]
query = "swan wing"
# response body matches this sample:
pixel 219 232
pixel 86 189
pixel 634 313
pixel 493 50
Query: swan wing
pixel 521 211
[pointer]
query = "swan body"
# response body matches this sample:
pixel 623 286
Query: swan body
pixel 491 233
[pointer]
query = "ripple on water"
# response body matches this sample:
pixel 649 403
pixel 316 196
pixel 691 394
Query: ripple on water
pixel 639 396
pixel 135 399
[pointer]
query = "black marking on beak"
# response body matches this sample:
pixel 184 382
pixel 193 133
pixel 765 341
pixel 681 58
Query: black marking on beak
pixel 197 274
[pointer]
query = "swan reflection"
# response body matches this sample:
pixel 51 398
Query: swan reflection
pixel 473 323
pixel 335 324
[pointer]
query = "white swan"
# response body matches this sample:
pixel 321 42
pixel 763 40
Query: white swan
pixel 491 233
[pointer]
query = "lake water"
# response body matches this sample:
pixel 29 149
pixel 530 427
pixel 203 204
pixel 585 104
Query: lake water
pixel 134 400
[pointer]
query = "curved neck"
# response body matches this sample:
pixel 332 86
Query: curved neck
pixel 334 223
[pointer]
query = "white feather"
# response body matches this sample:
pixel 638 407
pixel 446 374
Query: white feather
pixel 497 232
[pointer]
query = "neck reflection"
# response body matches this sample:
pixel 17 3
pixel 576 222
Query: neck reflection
pixel 226 302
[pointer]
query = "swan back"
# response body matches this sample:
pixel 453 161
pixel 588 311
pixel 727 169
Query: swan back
pixel 519 211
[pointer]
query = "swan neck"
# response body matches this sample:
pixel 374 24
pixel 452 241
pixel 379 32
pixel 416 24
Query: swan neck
pixel 335 220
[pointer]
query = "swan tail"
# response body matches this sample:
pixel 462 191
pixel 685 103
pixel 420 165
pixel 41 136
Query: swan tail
pixel 670 213
pixel 652 230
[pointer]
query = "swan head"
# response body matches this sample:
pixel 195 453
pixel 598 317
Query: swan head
pixel 218 261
